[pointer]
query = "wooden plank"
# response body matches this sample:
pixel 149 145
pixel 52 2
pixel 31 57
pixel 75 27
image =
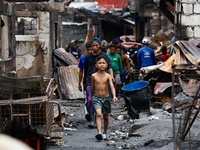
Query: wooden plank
pixel 171 7
pixel 29 110
pixel 27 14
pixel 11 108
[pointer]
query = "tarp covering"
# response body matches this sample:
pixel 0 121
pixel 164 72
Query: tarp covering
pixel 111 3
pixel 131 45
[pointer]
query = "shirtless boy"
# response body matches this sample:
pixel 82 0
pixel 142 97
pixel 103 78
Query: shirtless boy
pixel 101 99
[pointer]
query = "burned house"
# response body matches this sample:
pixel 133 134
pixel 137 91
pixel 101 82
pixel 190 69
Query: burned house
pixel 37 32
pixel 149 19
pixel 7 38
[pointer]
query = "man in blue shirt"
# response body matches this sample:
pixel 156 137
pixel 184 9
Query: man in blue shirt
pixel 145 55
pixel 81 64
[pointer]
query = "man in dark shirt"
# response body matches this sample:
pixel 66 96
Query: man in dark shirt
pixel 76 50
pixel 89 69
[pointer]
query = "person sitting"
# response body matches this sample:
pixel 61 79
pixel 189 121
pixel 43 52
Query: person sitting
pixel 165 54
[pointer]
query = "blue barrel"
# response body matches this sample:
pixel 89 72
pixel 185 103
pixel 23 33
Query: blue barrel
pixel 138 94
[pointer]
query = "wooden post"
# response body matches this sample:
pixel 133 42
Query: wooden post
pixel 11 108
pixel 29 111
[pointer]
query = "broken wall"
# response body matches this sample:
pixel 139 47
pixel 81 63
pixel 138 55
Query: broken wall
pixel 38 28
pixel 33 48
pixel 7 38
pixel 73 31
pixel 187 20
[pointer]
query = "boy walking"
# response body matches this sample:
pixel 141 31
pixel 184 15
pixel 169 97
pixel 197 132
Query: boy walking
pixel 89 69
pixel 101 99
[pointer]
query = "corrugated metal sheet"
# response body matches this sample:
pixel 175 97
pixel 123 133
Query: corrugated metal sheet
pixel 186 53
pixel 64 57
pixel 189 52
pixel 68 79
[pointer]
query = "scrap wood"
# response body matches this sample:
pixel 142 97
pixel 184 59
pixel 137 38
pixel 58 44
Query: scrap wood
pixel 152 43
pixel 180 100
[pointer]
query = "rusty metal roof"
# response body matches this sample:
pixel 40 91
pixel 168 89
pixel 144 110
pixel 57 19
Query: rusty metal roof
pixel 64 57
pixel 68 79
pixel 189 52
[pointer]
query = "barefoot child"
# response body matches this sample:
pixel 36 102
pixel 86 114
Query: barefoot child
pixel 101 99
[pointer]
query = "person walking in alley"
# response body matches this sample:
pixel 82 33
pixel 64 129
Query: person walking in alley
pixel 81 66
pixel 89 69
pixel 101 99
pixel 116 64
pixel 125 63
pixel 76 50
pixel 165 54
pixel 145 55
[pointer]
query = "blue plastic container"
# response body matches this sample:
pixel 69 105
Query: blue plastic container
pixel 138 94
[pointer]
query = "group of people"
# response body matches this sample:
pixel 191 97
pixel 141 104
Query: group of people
pixel 103 77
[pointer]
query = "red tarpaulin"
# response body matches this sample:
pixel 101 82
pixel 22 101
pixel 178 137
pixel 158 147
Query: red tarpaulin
pixel 131 45
pixel 109 4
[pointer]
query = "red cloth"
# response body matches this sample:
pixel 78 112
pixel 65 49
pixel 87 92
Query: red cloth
pixel 109 4
pixel 164 58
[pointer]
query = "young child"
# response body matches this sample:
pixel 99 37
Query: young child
pixel 101 99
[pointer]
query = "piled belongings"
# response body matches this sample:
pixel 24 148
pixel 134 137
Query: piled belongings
pixel 67 75
pixel 186 59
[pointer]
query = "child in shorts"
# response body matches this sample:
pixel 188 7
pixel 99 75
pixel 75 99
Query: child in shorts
pixel 101 99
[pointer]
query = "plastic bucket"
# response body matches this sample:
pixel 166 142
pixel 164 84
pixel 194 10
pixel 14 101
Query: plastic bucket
pixel 138 94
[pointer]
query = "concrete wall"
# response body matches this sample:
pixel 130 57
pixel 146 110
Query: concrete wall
pixel 187 19
pixel 32 51
pixel 73 31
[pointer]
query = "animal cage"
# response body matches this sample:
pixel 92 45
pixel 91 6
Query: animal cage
pixel 28 100
pixel 186 103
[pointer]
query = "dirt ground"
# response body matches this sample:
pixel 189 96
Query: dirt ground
pixel 153 131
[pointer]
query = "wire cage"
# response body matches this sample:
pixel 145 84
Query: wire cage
pixel 186 102
pixel 34 108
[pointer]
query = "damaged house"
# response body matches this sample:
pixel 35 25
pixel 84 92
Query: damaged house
pixel 37 33
pixel 7 38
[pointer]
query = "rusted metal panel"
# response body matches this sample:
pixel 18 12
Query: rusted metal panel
pixel 68 79
pixel 190 50
pixel 161 87
pixel 64 57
